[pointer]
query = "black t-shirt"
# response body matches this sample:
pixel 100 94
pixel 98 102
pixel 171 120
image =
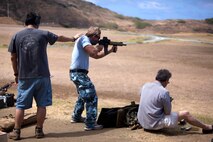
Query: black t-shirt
pixel 30 46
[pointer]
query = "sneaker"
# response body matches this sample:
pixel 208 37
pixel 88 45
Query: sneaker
pixel 208 131
pixel 182 122
pixel 15 134
pixel 96 127
pixel 81 120
pixel 136 126
pixel 39 133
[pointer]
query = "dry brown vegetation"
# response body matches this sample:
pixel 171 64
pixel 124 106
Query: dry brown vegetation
pixel 118 78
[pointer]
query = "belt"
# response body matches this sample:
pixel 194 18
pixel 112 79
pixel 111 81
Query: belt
pixel 79 70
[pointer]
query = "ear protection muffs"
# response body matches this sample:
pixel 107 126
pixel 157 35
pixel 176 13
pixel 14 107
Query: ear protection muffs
pixel 37 20
pixel 33 18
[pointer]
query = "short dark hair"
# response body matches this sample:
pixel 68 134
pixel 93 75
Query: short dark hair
pixel 163 75
pixel 32 19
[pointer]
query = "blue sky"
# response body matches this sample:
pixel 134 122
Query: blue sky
pixel 160 9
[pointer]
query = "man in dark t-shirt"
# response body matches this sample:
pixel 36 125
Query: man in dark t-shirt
pixel 31 71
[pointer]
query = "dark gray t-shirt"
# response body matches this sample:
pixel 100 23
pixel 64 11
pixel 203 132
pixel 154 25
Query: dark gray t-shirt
pixel 30 46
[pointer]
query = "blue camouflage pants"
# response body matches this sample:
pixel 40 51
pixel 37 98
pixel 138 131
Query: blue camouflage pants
pixel 86 95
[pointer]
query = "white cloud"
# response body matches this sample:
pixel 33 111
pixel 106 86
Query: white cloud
pixel 109 1
pixel 151 5
pixel 208 4
pixel 92 1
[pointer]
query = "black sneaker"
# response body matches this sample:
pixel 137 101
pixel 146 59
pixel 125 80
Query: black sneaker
pixel 15 134
pixel 182 122
pixel 208 131
pixel 39 133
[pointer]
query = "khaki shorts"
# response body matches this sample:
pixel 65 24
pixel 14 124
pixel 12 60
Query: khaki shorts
pixel 169 121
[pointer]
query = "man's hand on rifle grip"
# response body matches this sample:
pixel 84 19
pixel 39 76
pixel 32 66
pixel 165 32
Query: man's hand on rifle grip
pixel 114 48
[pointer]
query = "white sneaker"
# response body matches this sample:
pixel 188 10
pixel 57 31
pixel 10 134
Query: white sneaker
pixel 96 127
pixel 82 120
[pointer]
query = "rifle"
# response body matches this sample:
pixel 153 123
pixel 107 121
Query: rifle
pixel 105 42
pixel 6 86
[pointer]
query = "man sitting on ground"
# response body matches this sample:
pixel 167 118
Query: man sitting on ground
pixel 155 107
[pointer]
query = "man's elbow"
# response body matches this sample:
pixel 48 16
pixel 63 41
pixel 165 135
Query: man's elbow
pixel 60 38
pixel 95 56
pixel 167 112
pixel 13 57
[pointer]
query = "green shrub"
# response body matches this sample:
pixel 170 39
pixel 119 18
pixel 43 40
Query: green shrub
pixel 120 16
pixel 209 20
pixel 181 21
pixel 137 18
pixel 141 25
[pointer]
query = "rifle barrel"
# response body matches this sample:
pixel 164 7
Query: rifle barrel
pixel 6 86
pixel 117 43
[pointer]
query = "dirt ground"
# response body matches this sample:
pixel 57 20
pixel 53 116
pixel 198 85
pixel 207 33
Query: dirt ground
pixel 118 79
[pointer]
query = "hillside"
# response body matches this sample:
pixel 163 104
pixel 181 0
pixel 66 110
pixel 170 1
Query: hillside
pixel 82 14
pixel 66 13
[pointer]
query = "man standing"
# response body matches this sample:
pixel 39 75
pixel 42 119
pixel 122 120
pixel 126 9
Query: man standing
pixel 155 108
pixel 31 71
pixel 83 49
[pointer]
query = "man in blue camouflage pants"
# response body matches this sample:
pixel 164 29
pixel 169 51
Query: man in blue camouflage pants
pixel 83 49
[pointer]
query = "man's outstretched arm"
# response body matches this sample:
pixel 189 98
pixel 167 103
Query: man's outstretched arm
pixel 67 39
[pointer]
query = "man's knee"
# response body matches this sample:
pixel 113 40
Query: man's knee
pixel 41 107
pixel 41 110
pixel 184 114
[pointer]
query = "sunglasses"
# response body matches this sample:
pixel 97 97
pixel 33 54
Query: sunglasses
pixel 97 36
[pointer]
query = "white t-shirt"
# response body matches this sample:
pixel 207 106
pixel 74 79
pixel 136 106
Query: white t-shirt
pixel 80 58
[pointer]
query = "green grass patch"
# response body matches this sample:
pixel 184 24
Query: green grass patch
pixel 138 40
pixel 204 118
pixel 109 25
pixel 3 46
